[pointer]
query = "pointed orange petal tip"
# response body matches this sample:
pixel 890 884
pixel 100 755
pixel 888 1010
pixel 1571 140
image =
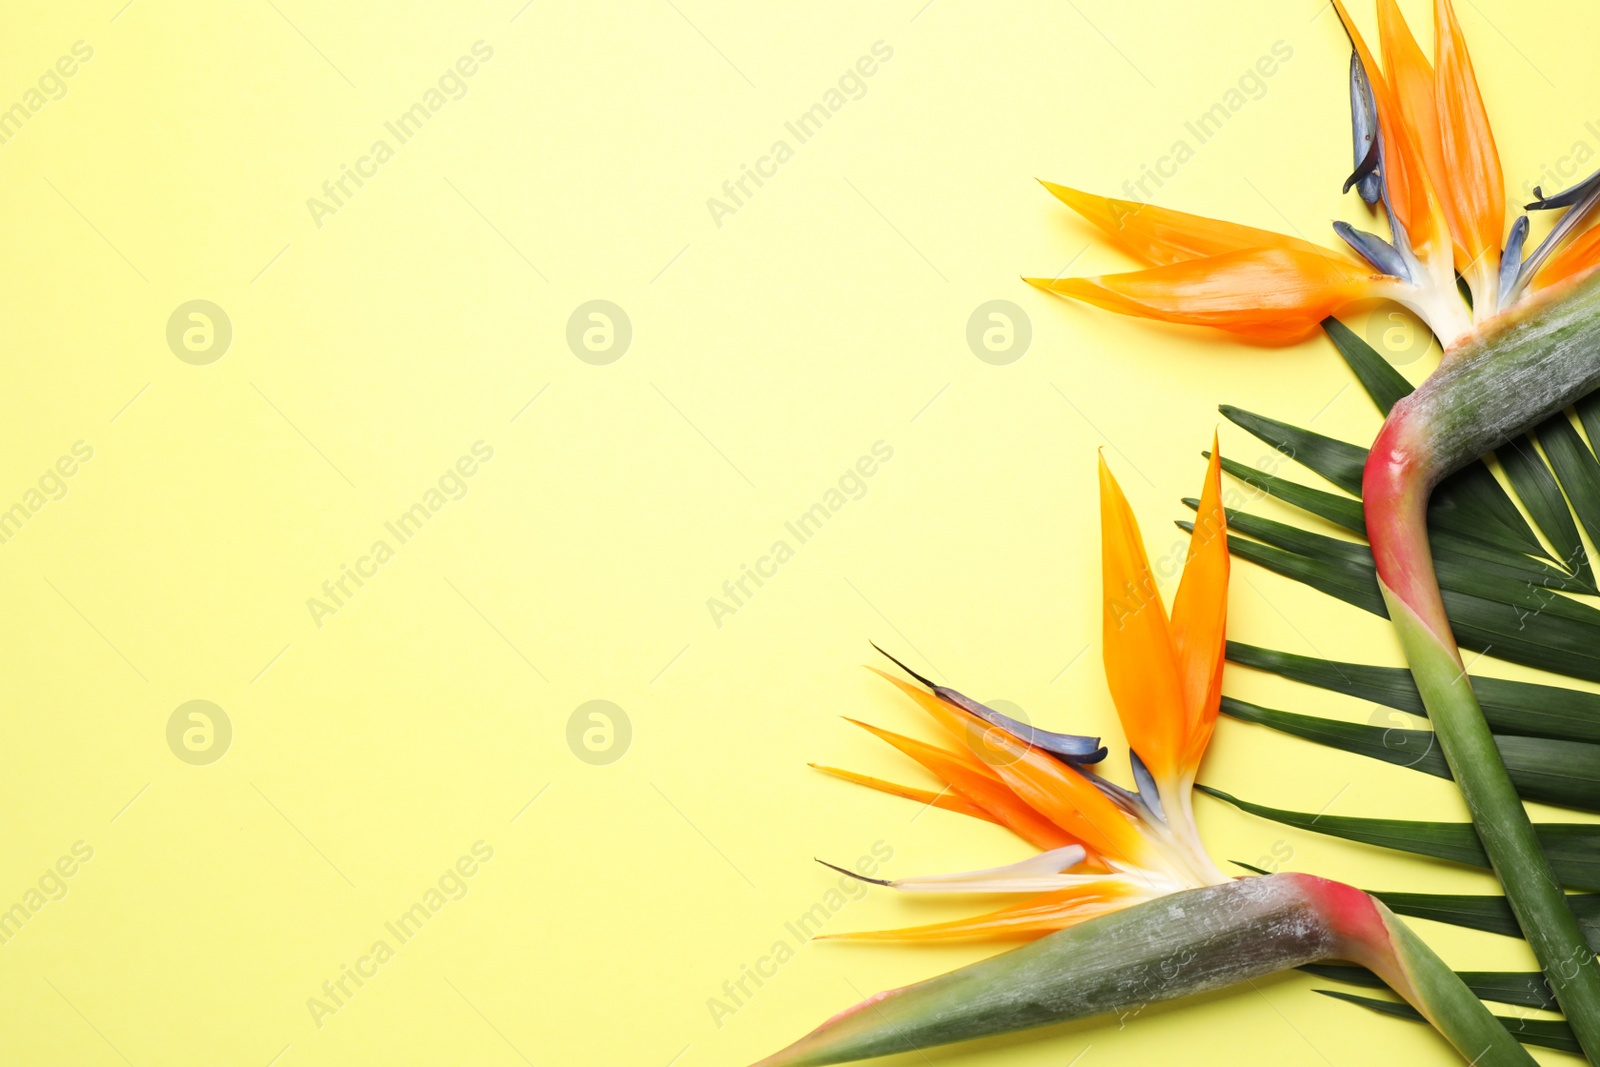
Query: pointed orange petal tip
pixel 1358 42
pixel 944 799
pixel 1476 198
pixel 1104 212
pixel 1407 189
pixel 1161 236
pixel 1064 193
pixel 1411 77
pixel 1108 481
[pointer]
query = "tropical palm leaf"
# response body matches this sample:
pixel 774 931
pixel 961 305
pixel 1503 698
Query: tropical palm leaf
pixel 1511 576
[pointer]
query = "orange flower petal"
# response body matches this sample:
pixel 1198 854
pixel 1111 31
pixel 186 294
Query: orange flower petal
pixel 1052 788
pixel 1407 190
pixel 1475 204
pixel 947 800
pixel 1199 616
pixel 1160 236
pixel 1067 798
pixel 982 789
pixel 1140 659
pixel 1274 295
pixel 1421 94
pixel 1044 914
pixel 1410 76
pixel 1580 255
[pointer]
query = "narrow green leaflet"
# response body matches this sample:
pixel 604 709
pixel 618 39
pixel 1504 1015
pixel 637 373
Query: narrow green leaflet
pixel 1447 545
pixel 1544 769
pixel 1385 385
pixel 1545 1033
pixel 1338 461
pixel 1573 848
pixel 1341 510
pixel 1526 989
pixel 1576 468
pixel 1491 914
pixel 1527 708
pixel 1336 578
pixel 1537 488
pixel 1588 410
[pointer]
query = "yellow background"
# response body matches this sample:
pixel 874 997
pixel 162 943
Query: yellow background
pixel 768 353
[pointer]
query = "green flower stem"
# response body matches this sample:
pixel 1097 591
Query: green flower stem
pixel 1536 897
pixel 1443 998
pixel 1495 385
pixel 1188 942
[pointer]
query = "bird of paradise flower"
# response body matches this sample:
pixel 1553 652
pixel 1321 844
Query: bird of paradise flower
pixel 1520 344
pixel 1425 153
pixel 1124 905
pixel 1105 847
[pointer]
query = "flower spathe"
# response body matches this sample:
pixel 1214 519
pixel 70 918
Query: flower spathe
pixel 1103 847
pixel 1122 904
pixel 1434 156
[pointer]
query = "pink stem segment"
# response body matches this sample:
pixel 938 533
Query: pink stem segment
pixel 1499 383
